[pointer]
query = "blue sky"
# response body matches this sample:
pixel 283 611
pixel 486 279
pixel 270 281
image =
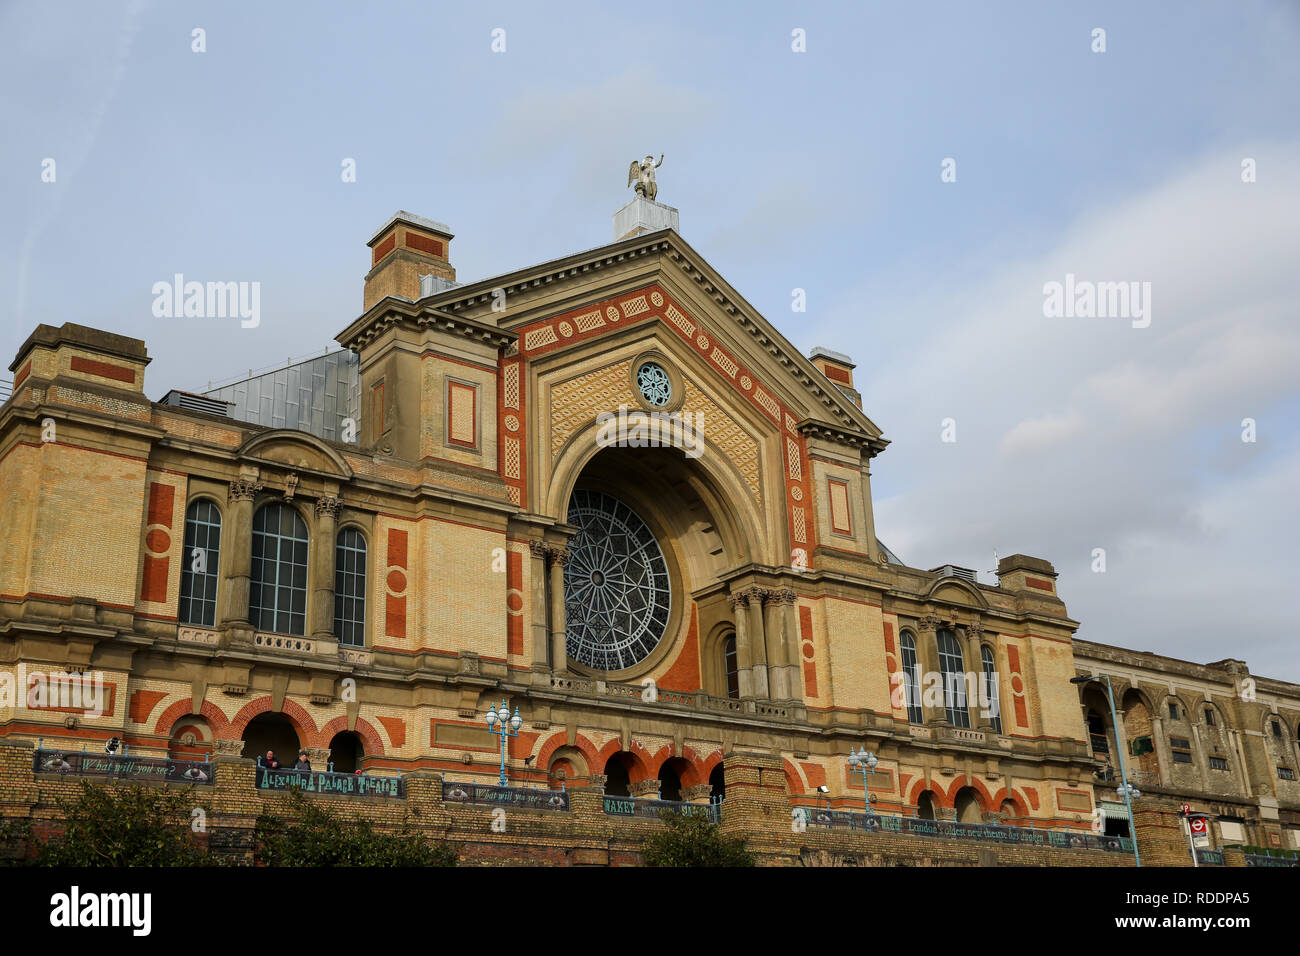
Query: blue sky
pixel 816 170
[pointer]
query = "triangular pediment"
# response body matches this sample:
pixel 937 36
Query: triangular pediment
pixel 562 303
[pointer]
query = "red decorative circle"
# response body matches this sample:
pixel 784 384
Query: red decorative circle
pixel 808 650
pixel 158 541
pixel 1017 684
pixel 396 581
pixel 515 601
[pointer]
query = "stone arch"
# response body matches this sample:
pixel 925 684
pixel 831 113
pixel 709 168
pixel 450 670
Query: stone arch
pixel 970 592
pixel 374 744
pixel 584 746
pixel 1017 800
pixel 289 449
pixel 689 770
pixel 183 708
pixel 638 769
pixel 969 804
pixel 294 711
pixel 738 519
pixel 795 785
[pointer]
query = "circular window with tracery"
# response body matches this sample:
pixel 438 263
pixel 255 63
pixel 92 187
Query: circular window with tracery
pixel 616 592
pixel 655 385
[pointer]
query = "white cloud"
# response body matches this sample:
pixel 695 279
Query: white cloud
pixel 1083 433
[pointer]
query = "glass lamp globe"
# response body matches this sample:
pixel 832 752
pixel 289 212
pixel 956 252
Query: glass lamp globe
pixel 504 713
pixel 491 718
pixel 515 721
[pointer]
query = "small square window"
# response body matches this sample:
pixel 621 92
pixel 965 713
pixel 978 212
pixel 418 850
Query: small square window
pixel 1173 711
pixel 1218 763
pixel 1182 756
pixel 1285 773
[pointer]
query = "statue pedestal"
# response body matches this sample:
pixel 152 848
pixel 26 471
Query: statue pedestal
pixel 643 215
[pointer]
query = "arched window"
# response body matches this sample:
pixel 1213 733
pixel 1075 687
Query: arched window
pixel 277 591
pixel 731 667
pixel 991 699
pixel 199 564
pixel 350 588
pixel 953 670
pixel 911 679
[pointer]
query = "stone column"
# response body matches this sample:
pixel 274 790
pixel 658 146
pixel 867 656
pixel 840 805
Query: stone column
pixel 793 641
pixel 237 549
pixel 773 626
pixel 927 659
pixel 744 653
pixel 320 613
pixel 541 633
pixel 559 649
pixel 973 635
pixel 758 642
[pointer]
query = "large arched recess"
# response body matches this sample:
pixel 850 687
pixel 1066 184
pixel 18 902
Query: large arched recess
pixel 711 478
pixel 702 515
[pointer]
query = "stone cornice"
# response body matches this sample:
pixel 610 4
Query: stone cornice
pixel 673 249
pixel 391 311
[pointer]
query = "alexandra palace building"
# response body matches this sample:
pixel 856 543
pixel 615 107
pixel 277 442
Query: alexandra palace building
pixel 607 491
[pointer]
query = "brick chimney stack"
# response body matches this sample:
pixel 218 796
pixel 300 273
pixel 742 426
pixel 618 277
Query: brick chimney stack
pixel 404 248
pixel 839 369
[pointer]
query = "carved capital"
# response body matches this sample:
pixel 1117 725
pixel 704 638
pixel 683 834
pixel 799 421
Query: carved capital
pixel 738 599
pixel 928 622
pixel 784 596
pixel 557 555
pixel 228 746
pixel 597 781
pixel 647 789
pixel 327 506
pixel 975 630
pixel 538 549
pixel 700 793
pixel 244 489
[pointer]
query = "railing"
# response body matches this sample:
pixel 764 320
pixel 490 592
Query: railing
pixel 518 798
pixel 692 700
pixel 983 832
pixel 641 807
pixel 332 784
pixel 6 390
pixel 1259 859
pixel 1209 857
pixel 122 766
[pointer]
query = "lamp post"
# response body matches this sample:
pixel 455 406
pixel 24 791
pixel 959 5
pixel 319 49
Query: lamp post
pixel 1125 789
pixel 864 763
pixel 504 726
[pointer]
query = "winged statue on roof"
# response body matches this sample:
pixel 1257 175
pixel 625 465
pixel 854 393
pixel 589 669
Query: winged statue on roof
pixel 643 174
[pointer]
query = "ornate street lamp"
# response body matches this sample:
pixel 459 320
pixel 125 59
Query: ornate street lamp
pixel 504 726
pixel 864 763
pixel 1125 789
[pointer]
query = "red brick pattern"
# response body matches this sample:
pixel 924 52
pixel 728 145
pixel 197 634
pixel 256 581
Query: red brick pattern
pixel 424 244
pixel 651 304
pixel 514 603
pixel 808 651
pixel 118 373
pixel 384 248
pixel 395 596
pixel 153 585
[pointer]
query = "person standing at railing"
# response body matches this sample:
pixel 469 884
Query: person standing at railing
pixel 268 762
pixel 303 763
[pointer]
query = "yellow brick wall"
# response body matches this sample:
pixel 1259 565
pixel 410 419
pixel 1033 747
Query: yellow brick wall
pixel 86 536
